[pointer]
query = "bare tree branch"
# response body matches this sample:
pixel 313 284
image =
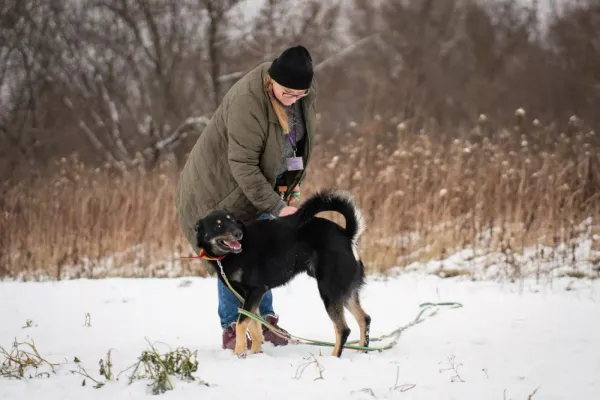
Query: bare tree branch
pixel 339 56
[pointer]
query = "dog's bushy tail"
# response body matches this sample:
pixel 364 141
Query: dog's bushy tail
pixel 335 200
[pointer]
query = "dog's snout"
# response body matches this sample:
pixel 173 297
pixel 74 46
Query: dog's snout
pixel 237 234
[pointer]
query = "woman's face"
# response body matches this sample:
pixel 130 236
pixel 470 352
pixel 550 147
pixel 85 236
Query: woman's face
pixel 286 96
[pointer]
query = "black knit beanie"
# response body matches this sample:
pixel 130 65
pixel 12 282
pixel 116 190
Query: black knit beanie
pixel 293 68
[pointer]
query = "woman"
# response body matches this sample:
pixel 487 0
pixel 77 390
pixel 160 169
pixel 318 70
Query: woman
pixel 251 159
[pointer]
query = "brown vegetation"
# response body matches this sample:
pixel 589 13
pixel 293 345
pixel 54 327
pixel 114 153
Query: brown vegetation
pixel 422 198
pixel 100 106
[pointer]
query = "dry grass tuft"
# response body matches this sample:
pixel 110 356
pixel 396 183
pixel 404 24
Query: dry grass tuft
pixel 23 361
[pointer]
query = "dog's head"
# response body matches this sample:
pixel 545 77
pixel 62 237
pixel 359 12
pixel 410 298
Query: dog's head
pixel 219 233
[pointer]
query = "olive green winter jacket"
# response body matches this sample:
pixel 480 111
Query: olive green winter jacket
pixel 232 165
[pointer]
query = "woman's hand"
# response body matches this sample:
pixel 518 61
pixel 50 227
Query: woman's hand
pixel 287 211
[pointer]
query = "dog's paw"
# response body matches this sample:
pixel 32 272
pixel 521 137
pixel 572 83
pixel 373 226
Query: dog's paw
pixel 241 351
pixel 256 350
pixel 337 352
pixel 241 354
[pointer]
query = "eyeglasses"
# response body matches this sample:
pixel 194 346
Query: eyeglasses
pixel 292 96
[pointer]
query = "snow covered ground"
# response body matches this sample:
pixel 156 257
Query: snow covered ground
pixel 507 340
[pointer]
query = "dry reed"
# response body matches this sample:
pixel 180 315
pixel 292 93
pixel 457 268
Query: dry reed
pixel 424 193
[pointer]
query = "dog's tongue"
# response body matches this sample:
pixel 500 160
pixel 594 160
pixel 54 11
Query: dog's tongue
pixel 234 244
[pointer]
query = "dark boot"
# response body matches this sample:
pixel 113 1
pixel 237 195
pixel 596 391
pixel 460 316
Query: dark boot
pixel 269 335
pixel 229 338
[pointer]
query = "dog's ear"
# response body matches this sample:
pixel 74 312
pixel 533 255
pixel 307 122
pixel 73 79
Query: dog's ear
pixel 199 229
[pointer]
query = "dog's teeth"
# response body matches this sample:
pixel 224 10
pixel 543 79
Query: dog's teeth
pixel 234 244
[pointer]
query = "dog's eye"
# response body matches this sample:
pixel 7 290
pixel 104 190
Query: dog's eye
pixel 229 217
pixel 218 222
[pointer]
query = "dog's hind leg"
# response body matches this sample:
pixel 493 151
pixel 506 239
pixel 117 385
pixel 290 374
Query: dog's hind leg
pixel 336 313
pixel 362 318
pixel 244 322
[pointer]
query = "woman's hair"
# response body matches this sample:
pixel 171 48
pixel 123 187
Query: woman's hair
pixel 277 106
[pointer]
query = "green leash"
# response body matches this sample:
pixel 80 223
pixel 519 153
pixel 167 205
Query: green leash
pixel 349 345
pixel 424 307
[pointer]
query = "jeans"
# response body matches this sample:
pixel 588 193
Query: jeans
pixel 228 303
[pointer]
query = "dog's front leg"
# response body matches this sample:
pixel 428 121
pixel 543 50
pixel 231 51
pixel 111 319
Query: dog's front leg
pixel 256 336
pixel 253 299
pixel 241 347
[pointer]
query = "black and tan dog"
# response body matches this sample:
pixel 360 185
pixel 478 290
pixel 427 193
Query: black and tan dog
pixel 276 250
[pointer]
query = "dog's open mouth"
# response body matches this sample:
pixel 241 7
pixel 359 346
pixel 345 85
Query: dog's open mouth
pixel 234 245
